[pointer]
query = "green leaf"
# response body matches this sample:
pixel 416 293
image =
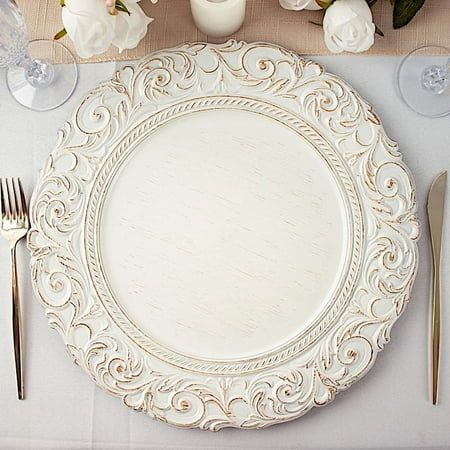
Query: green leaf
pixel 378 31
pixel 60 34
pixel 405 10
pixel 324 3
pixel 120 6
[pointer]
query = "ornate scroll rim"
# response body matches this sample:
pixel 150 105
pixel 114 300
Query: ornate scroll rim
pixel 270 394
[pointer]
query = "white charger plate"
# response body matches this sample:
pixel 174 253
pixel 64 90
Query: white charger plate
pixel 224 235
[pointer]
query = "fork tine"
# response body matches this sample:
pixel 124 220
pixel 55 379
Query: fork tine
pixel 18 208
pixel 22 198
pixel 2 199
pixel 8 202
pixel 9 198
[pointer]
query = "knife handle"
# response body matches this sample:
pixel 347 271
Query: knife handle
pixel 436 328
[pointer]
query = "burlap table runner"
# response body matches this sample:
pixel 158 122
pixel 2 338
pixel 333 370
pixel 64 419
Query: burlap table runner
pixel 265 21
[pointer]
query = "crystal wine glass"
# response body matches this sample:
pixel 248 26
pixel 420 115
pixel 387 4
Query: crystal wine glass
pixel 33 82
pixel 423 80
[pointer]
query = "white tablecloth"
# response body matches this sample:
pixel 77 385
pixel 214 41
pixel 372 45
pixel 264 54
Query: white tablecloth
pixel 388 408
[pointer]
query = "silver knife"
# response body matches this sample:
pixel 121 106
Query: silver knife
pixel 435 208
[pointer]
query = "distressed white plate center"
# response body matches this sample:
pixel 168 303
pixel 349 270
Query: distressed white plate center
pixel 223 236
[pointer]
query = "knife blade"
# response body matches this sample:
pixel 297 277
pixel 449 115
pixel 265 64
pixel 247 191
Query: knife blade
pixel 435 209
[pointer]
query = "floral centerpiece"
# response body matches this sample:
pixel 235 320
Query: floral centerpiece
pixel 95 25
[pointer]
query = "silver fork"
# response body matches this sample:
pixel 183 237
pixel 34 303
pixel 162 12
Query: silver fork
pixel 14 227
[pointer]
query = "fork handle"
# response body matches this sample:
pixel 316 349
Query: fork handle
pixel 16 324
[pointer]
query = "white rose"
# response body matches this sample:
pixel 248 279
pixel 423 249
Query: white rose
pixel 297 5
pixel 89 25
pixel 130 29
pixel 348 26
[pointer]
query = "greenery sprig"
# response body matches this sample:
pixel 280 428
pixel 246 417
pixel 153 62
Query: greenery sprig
pixel 405 10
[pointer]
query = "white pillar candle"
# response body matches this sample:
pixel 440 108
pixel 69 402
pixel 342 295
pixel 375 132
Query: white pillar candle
pixel 218 18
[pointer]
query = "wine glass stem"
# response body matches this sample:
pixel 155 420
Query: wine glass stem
pixel 39 73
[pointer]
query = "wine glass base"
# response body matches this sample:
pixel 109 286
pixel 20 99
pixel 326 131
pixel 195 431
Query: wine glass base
pixel 45 98
pixel 409 81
